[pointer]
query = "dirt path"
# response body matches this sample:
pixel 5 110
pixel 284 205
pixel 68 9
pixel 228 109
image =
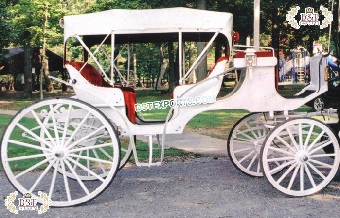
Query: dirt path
pixel 202 187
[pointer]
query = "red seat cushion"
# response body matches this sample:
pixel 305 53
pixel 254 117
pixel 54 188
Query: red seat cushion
pixel 130 101
pixel 242 54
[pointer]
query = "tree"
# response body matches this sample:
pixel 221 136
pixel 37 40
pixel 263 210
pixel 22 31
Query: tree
pixel 202 69
pixel 30 18
pixel 5 25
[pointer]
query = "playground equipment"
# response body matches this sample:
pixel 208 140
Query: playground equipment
pixel 74 147
pixel 296 69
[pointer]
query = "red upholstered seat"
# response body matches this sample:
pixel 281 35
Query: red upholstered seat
pixel 259 54
pixel 89 73
pixel 130 101
pixel 92 75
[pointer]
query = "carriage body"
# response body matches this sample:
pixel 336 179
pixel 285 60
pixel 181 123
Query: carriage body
pixel 89 137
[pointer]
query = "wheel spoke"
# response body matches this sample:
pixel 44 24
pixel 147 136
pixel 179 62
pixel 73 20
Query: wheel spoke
pixel 302 177
pixel 310 177
pixel 252 161
pixel 66 125
pixel 251 130
pixel 283 176
pixel 100 164
pixel 250 141
pixel 82 185
pixel 91 159
pixel 243 134
pixel 282 166
pixel 292 179
pixel 281 151
pixel 42 176
pixel 108 155
pixel 316 170
pixel 300 137
pixel 56 167
pixel 319 147
pixel 34 135
pixel 86 169
pixel 242 150
pixel 258 165
pixel 26 157
pixel 322 155
pixel 42 126
pixel 77 129
pixel 308 136
pixel 321 163
pixel 66 185
pixel 56 133
pixel 248 155
pixel 276 159
pixel 85 138
pixel 292 139
pixel 284 142
pixel 29 145
pixel 90 147
pixel 34 167
pixel 315 141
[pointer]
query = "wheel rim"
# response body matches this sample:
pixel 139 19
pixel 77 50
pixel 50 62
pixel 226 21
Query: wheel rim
pixel 319 104
pixel 305 168
pixel 245 143
pixel 81 150
pixel 125 149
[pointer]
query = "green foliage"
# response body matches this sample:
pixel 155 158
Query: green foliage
pixel 5 26
pixel 274 13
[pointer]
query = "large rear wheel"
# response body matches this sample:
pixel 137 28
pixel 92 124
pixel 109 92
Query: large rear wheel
pixel 304 166
pixel 63 147
pixel 245 143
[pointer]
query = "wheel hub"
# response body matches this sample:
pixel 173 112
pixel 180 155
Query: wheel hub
pixel 258 145
pixel 59 154
pixel 302 156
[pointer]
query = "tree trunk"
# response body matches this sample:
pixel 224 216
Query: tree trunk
pixel 27 71
pixel 202 67
pixel 172 77
pixel 46 72
pixel 44 68
pixel 134 62
pixel 192 77
pixel 163 66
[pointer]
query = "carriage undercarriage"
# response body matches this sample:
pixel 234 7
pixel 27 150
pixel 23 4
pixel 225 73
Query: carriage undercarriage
pixel 74 147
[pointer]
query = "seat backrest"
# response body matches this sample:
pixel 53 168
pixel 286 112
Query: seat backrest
pixel 90 73
pixel 218 67
pixel 93 76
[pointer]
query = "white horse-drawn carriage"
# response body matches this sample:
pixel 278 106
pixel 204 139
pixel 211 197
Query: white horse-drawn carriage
pixel 72 148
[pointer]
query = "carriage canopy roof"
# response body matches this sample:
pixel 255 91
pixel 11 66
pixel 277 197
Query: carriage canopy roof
pixel 148 23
